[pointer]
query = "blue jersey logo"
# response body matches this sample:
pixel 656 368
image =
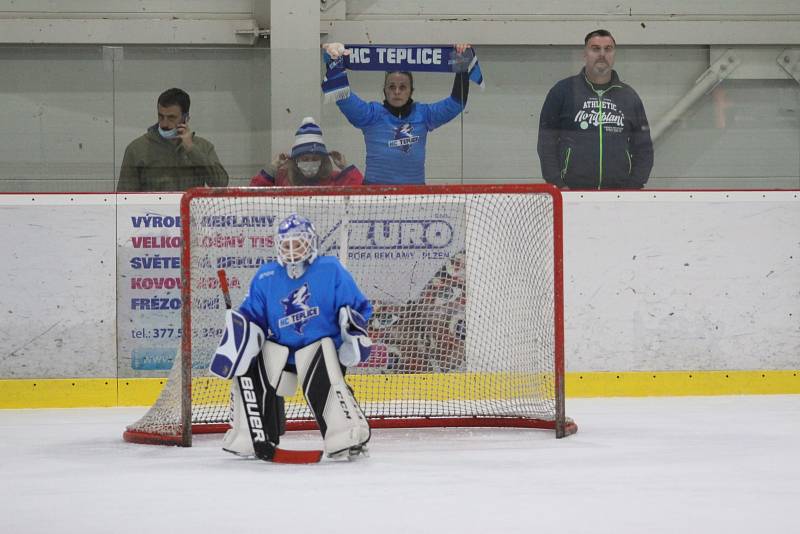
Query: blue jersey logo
pixel 298 312
pixel 404 138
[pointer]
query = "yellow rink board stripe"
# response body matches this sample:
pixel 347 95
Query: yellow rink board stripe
pixel 682 383
pixel 79 392
pixel 100 392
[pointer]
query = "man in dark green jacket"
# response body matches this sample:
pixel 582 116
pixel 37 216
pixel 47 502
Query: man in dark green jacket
pixel 169 156
pixel 593 131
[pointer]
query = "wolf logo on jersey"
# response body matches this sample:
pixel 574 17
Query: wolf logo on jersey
pixel 298 312
pixel 403 138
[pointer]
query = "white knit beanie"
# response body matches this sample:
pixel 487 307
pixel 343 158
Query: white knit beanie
pixel 308 139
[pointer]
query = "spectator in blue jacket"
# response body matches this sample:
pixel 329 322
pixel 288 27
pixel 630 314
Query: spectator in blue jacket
pixel 396 131
pixel 593 131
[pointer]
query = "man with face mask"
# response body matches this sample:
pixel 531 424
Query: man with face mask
pixel 170 156
pixel 309 163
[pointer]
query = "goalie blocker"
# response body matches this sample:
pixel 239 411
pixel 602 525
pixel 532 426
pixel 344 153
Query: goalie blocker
pixel 241 342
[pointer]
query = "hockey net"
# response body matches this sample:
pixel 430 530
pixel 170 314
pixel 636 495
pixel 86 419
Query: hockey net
pixel 466 286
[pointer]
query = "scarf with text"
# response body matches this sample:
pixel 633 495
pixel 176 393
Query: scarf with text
pixel 389 58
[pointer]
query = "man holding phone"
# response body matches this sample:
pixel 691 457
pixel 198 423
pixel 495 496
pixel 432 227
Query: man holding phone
pixel 170 156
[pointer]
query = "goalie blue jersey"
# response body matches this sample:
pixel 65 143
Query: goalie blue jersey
pixel 297 312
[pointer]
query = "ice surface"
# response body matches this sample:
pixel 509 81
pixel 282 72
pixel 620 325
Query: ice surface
pixel 652 465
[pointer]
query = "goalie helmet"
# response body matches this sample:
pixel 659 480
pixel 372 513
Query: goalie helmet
pixel 296 244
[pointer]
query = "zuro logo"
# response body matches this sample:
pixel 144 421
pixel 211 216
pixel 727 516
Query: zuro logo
pixel 421 234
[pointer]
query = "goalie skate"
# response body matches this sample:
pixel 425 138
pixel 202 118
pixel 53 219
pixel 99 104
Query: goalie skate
pixel 350 454
pixel 238 443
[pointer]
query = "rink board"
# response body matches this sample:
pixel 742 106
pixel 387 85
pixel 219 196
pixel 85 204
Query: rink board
pixel 74 393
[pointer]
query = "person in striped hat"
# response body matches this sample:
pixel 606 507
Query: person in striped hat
pixel 308 163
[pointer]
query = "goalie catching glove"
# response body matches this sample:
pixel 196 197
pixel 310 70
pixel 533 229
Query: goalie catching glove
pixel 356 344
pixel 240 343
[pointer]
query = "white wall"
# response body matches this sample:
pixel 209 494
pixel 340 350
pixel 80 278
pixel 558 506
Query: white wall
pixel 57 295
pixel 682 280
pixel 653 281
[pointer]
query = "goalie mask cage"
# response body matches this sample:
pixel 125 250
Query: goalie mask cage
pixel 466 284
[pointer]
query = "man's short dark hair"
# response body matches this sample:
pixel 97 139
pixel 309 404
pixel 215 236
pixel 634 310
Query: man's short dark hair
pixel 175 97
pixel 598 33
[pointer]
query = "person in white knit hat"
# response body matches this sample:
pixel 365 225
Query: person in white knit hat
pixel 308 163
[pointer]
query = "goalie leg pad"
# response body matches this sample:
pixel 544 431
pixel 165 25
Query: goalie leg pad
pixel 255 417
pixel 341 420
pixel 276 356
pixel 282 380
pixel 237 440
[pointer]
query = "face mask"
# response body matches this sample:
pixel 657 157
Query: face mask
pixel 308 168
pixel 168 134
pixel 173 133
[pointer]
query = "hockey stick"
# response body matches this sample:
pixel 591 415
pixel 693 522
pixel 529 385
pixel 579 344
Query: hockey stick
pixel 266 450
